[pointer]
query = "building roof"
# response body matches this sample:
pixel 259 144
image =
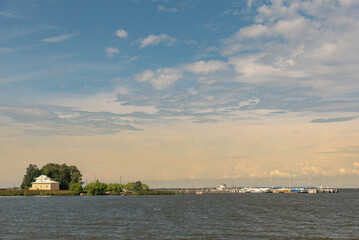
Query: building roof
pixel 44 179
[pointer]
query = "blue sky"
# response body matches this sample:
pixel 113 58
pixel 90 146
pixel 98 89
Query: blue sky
pixel 88 69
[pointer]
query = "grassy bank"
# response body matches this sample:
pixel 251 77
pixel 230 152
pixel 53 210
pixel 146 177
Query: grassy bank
pixel 36 193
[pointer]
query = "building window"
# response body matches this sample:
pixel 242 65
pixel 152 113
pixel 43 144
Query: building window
pixel 46 187
pixel 41 186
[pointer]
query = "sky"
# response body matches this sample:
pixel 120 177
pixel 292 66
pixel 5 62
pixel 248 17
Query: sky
pixel 182 93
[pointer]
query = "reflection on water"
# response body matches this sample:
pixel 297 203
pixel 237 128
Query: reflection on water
pixel 216 216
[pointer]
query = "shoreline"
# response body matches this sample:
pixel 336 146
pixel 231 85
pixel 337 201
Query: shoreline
pixel 46 193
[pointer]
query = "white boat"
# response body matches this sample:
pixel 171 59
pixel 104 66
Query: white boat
pixel 257 190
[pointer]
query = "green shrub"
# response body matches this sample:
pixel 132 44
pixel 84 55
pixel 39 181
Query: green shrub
pixel 96 188
pixel 76 187
pixel 114 188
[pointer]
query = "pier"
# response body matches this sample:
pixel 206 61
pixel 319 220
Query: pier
pixel 240 190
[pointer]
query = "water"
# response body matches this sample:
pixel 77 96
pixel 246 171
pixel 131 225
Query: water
pixel 215 216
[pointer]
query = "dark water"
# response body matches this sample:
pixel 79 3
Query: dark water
pixel 222 216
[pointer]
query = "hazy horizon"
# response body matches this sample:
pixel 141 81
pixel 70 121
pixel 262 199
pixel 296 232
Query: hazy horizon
pixel 182 92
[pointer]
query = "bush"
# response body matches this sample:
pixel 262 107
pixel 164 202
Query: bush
pixel 114 188
pixel 76 187
pixel 96 188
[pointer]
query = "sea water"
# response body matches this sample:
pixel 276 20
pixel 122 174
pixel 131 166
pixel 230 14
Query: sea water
pixel 207 216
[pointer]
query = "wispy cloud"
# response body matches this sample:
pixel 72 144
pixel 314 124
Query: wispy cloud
pixel 54 120
pixel 10 50
pixel 162 8
pixel 111 52
pixel 331 120
pixel 153 40
pixel 57 39
pixel 14 15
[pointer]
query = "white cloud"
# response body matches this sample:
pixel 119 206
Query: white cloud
pixel 162 8
pixel 280 173
pixel 156 39
pixel 145 76
pixel 57 39
pixel 162 78
pixel 288 29
pixel 348 3
pixel 253 31
pixel 254 69
pixel 206 67
pixel 317 170
pixel 121 33
pixel 312 44
pixel 111 52
pixel 291 29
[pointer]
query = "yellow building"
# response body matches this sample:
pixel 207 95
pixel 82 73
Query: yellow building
pixel 44 183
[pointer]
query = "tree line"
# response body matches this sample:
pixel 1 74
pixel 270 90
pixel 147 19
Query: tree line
pixel 98 188
pixel 69 178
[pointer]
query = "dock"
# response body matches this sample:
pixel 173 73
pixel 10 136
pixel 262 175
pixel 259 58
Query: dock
pixel 242 190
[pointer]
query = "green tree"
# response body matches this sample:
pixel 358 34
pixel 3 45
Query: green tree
pixel 130 186
pixel 96 188
pixel 145 187
pixel 64 174
pixel 114 188
pixel 137 186
pixel 76 187
pixel 32 172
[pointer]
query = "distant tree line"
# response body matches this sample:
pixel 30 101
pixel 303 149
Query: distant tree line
pixel 67 176
pixel 98 188
pixel 70 178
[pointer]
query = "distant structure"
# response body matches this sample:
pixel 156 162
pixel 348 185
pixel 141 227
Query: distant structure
pixel 44 183
pixel 222 187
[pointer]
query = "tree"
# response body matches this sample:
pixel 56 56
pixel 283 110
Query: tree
pixel 114 188
pixel 130 186
pixel 96 188
pixel 145 187
pixel 65 175
pixel 76 187
pixel 32 172
pixel 137 186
